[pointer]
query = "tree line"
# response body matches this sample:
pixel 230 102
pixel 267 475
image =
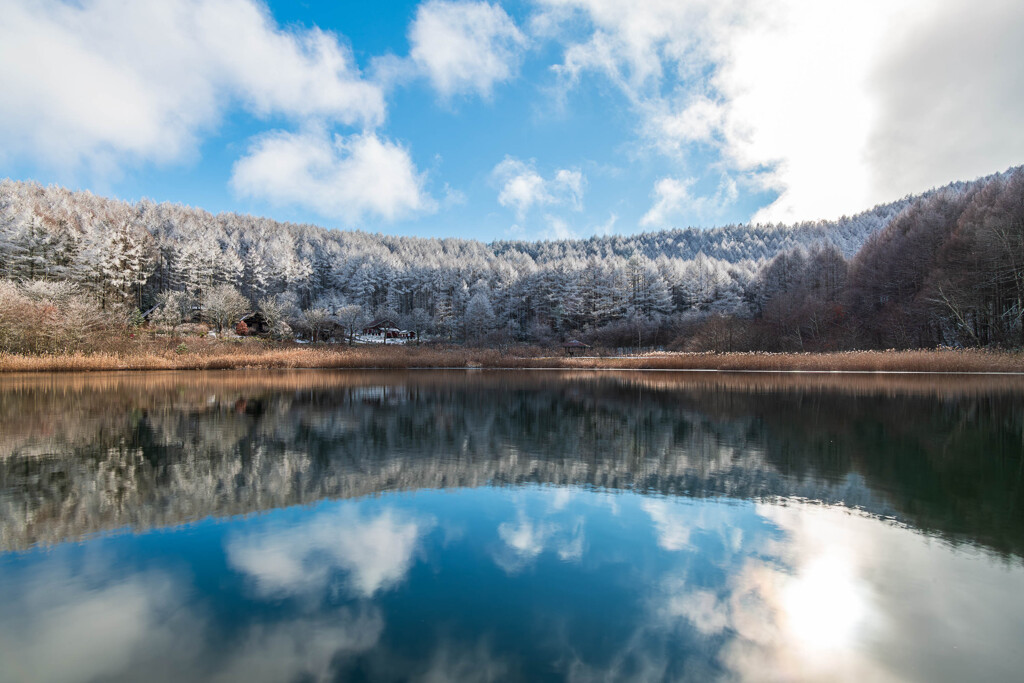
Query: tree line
pixel 942 268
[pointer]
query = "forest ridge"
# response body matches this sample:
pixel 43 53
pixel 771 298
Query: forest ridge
pixel 942 268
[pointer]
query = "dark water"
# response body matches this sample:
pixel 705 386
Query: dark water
pixel 431 526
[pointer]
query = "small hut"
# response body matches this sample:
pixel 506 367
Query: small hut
pixel 383 327
pixel 256 322
pixel 574 347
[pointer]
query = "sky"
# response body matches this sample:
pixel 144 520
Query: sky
pixel 528 119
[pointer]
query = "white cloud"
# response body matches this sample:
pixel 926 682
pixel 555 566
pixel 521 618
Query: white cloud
pixel 558 229
pixel 671 196
pixel 608 227
pixel 672 130
pixel 349 178
pixel 465 47
pixel 673 199
pixel 836 106
pixel 453 197
pixel 376 552
pixel 632 44
pixel 950 98
pixel 522 187
pixel 572 181
pixel 100 83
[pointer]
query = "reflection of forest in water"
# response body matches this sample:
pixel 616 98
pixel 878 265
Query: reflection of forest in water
pixel 80 454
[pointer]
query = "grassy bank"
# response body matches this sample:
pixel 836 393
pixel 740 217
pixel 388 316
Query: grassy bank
pixel 210 354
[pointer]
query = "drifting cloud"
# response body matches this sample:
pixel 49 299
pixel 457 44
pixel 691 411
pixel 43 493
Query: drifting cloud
pixel 949 97
pixel 672 198
pixel 608 227
pixel 465 47
pixel 348 178
pixel 834 107
pixel 522 187
pixel 101 83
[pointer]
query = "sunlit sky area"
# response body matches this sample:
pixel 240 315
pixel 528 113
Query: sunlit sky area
pixel 527 119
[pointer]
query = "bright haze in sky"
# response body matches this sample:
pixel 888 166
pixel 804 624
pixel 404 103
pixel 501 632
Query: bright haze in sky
pixel 538 119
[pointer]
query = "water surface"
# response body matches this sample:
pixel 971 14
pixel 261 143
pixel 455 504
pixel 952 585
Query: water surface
pixel 479 526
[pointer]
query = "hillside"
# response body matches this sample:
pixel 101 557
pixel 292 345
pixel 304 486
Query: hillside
pixel 624 290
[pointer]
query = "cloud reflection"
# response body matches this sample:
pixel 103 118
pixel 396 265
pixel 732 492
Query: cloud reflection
pixel 673 531
pixel 64 627
pixel 558 527
pixel 376 552
pixel 466 664
pixel 305 648
pixel 782 591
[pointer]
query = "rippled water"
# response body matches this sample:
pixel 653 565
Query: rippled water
pixel 484 526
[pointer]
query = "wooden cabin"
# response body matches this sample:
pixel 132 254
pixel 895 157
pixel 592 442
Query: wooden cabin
pixel 383 327
pixel 574 347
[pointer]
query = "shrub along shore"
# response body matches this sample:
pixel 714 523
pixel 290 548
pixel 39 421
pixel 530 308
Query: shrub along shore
pixel 217 354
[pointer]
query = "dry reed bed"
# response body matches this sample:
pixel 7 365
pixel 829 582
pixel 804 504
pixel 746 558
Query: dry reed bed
pixel 972 360
pixel 226 356
pixel 197 386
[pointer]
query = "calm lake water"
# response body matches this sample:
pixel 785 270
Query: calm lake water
pixel 485 526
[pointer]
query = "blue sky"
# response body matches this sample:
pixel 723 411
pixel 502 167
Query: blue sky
pixel 530 119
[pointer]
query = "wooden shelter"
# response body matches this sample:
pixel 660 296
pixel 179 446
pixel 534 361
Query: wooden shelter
pixel 256 322
pixel 383 327
pixel 574 346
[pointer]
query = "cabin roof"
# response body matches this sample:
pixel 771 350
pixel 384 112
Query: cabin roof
pixel 575 344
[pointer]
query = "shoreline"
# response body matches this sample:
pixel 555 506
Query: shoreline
pixel 260 355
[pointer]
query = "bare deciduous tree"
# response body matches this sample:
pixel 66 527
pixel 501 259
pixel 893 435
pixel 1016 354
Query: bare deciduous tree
pixel 223 306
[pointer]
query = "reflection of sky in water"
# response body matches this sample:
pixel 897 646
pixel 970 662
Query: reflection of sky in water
pixel 503 583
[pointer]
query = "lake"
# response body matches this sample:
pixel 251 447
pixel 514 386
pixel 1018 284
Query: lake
pixel 492 526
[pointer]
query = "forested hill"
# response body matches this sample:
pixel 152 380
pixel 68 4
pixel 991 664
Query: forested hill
pixel 613 290
pixel 732 243
pixel 55 208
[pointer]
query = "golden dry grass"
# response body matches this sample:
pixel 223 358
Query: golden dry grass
pixel 972 360
pixel 208 354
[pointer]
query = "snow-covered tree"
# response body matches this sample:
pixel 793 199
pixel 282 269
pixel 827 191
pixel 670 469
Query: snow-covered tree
pixel 479 318
pixel 223 306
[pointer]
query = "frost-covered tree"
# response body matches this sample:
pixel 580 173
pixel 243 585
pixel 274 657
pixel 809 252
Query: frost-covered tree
pixel 223 306
pixel 352 318
pixel 173 309
pixel 479 318
pixel 318 320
